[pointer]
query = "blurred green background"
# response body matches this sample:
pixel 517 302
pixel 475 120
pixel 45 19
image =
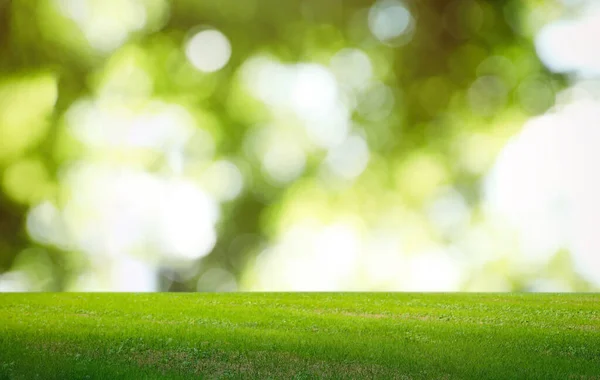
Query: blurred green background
pixel 153 145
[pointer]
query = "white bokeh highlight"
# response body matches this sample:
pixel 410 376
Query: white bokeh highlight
pixel 545 183
pixel 349 159
pixel 389 19
pixel 106 24
pixel 571 45
pixel 208 50
pixel 307 90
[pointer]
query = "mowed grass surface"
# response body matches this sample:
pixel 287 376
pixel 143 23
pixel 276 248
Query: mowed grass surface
pixel 292 335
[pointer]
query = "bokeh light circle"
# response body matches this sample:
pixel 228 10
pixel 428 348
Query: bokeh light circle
pixel 208 50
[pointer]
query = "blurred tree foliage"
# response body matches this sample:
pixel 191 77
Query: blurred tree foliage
pixel 445 94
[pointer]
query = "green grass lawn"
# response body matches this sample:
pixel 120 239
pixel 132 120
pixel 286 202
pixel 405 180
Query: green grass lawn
pixel 299 335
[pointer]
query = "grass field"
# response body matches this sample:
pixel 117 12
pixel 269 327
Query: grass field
pixel 298 335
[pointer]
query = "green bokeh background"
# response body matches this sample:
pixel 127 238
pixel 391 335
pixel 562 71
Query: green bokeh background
pixel 437 103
